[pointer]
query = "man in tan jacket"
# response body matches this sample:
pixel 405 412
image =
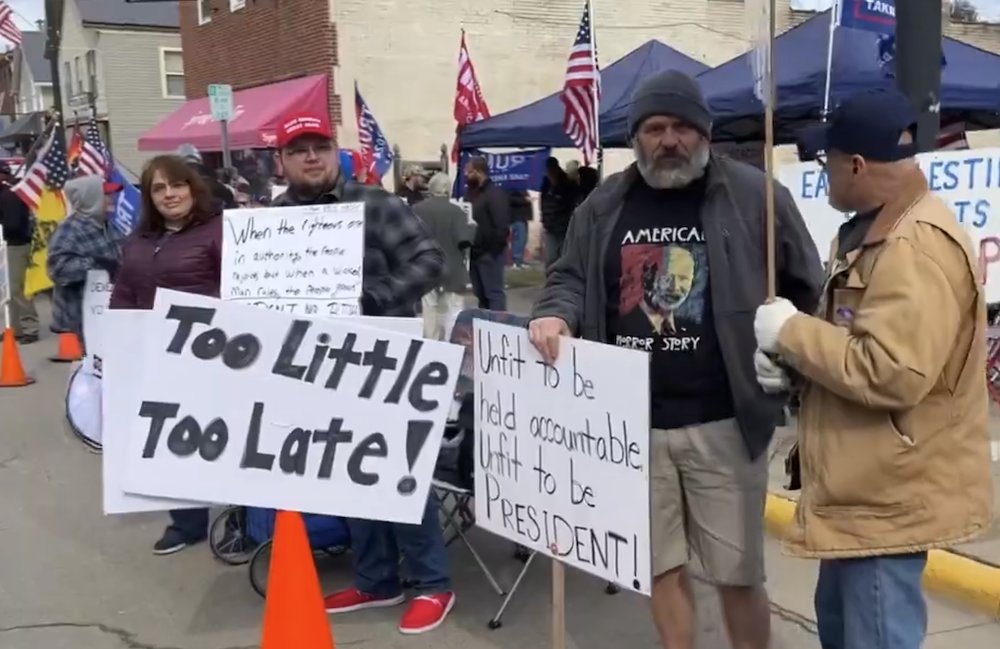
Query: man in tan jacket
pixel 893 427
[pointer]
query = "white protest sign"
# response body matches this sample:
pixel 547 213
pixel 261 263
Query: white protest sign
pixel 563 451
pixel 96 297
pixel 257 407
pixel 306 260
pixel 969 181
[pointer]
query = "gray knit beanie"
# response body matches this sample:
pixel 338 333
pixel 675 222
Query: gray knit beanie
pixel 670 93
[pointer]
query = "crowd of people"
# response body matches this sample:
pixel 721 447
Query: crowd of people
pixel 666 257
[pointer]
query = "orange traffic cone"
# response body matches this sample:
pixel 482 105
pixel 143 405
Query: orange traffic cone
pixel 294 615
pixel 11 371
pixel 69 349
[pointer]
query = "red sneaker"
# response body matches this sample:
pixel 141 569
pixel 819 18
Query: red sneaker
pixel 352 599
pixel 426 613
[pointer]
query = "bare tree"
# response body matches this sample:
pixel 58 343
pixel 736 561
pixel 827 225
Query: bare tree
pixel 963 11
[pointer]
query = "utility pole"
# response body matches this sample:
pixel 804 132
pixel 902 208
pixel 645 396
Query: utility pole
pixel 53 42
pixel 918 64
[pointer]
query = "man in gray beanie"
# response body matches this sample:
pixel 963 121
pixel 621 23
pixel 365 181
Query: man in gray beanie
pixel 668 257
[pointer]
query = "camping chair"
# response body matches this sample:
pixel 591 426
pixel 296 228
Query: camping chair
pixel 454 484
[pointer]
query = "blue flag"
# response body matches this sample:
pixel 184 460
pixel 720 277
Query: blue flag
pixel 514 170
pixel 877 16
pixel 127 201
pixel 375 149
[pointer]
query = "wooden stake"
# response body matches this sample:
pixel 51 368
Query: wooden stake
pixel 769 226
pixel 558 605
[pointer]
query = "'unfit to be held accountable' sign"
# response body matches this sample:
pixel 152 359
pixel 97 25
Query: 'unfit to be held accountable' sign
pixel 562 452
pixel 257 407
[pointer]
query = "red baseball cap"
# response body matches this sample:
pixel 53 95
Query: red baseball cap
pixel 112 188
pixel 302 124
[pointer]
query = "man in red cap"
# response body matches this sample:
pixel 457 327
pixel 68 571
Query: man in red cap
pixel 402 264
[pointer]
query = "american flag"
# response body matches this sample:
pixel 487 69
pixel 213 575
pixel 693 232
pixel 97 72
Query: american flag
pixel 581 92
pixel 93 159
pixel 50 169
pixel 470 105
pixel 8 29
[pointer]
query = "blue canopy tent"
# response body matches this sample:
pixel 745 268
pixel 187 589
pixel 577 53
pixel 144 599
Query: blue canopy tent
pixel 539 124
pixel 970 81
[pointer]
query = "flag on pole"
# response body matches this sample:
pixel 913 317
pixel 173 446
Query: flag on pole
pixel 75 148
pixel 49 171
pixel 470 106
pixel 581 91
pixel 758 20
pixel 8 28
pixel 376 154
pixel 94 159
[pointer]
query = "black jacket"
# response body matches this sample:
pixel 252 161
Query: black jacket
pixel 491 212
pixel 558 202
pixel 224 199
pixel 15 217
pixel 520 207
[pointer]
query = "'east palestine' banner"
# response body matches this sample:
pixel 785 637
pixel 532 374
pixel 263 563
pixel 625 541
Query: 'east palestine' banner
pixel 877 16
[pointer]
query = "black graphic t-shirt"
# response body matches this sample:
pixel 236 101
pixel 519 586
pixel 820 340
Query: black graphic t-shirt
pixel 657 277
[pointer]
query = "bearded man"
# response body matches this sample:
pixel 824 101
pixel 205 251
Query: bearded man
pixel 679 236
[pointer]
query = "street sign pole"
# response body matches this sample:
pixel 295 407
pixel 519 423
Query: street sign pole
pixel 227 160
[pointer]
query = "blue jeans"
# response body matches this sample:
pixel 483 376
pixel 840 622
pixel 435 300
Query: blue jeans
pixel 376 546
pixel 872 603
pixel 518 240
pixel 191 523
pixel 486 272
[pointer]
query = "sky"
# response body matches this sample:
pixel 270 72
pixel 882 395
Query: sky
pixel 26 12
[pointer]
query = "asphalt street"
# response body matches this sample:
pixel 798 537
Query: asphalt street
pixel 71 578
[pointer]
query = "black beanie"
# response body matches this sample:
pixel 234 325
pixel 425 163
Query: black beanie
pixel 670 93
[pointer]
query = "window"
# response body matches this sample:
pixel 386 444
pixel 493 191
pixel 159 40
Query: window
pixel 78 75
pixel 172 71
pixel 204 11
pixel 236 5
pixel 92 71
pixel 67 80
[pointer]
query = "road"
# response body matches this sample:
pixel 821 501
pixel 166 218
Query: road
pixel 71 578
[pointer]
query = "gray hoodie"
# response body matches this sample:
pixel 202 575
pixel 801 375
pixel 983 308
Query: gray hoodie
pixel 86 196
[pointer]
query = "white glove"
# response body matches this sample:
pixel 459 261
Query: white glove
pixel 769 320
pixel 770 376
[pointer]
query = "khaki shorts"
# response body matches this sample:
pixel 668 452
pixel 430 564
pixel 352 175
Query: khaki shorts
pixel 707 502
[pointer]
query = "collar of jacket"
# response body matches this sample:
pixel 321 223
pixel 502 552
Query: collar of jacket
pixel 912 188
pixel 191 223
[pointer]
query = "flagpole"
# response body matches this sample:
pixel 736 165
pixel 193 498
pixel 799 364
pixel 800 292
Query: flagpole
pixel 834 19
pixel 597 91
pixel 769 156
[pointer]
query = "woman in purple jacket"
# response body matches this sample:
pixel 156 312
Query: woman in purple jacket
pixel 177 245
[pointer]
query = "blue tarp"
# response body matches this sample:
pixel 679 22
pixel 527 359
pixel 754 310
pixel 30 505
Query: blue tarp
pixel 540 124
pixel 969 82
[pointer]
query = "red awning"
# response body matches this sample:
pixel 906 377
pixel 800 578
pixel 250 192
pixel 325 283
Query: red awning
pixel 256 114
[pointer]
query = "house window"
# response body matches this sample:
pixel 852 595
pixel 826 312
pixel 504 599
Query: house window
pixel 67 80
pixel 172 71
pixel 236 5
pixel 92 71
pixel 78 74
pixel 204 11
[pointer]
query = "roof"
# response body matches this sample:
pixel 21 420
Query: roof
pixel 129 14
pixel 33 53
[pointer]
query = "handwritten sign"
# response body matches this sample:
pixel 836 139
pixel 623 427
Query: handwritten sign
pixel 562 452
pixel 258 407
pixel 305 260
pixel 96 297
pixel 968 181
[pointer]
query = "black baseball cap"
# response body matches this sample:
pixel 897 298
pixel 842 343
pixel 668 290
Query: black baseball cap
pixel 868 124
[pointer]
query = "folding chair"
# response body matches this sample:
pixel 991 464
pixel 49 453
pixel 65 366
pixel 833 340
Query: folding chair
pixel 454 485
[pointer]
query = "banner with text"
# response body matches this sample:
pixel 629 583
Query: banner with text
pixel 563 451
pixel 304 260
pixel 257 407
pixel 513 170
pixel 969 181
pixel 96 297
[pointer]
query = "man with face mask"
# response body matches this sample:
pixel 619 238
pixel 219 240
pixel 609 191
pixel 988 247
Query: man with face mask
pixel 668 257
pixel 893 437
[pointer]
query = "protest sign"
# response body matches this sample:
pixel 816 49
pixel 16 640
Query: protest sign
pixel 258 407
pixel 562 451
pixel 4 275
pixel 968 181
pixel 304 260
pixel 96 297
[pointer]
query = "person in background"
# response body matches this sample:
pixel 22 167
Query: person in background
pixel 573 171
pixel 450 228
pixel 223 196
pixel 177 244
pixel 84 240
pixel 401 265
pixel 893 428
pixel 520 215
pixel 587 183
pixel 18 228
pixel 664 258
pixel 558 202
pixel 412 189
pixel 491 212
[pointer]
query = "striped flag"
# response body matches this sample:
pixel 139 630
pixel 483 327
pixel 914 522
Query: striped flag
pixel 49 171
pixel 582 91
pixel 8 29
pixel 93 159
pixel 470 105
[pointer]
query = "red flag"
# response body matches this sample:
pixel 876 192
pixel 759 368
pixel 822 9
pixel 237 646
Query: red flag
pixel 470 106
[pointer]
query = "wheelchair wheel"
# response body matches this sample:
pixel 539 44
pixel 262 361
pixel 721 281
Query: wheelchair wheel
pixel 228 538
pixel 260 566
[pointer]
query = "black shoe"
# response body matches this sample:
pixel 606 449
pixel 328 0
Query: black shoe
pixel 172 541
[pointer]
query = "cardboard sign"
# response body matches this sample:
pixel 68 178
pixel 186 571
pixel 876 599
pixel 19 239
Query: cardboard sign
pixel 96 297
pixel 968 181
pixel 304 260
pixel 562 452
pixel 259 407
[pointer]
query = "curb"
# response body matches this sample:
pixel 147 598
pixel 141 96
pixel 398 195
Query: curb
pixel 951 575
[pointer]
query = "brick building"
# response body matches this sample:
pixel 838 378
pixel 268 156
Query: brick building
pixel 403 54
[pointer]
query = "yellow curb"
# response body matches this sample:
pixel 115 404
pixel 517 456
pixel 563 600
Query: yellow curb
pixel 952 575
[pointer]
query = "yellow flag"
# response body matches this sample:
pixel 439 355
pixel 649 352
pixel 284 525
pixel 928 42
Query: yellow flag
pixel 51 211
